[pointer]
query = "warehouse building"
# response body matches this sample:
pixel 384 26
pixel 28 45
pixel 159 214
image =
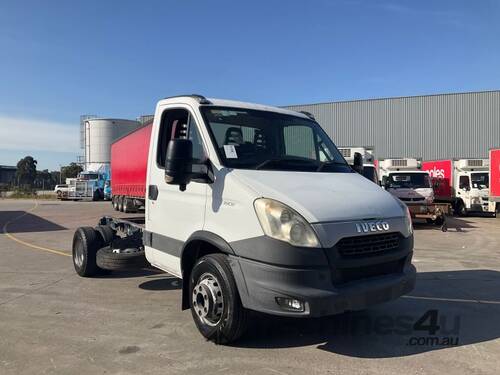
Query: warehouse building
pixel 463 125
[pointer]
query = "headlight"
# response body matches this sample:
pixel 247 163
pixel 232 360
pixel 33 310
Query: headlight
pixel 407 217
pixel 283 223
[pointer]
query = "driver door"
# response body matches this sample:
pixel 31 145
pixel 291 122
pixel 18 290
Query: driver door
pixel 173 215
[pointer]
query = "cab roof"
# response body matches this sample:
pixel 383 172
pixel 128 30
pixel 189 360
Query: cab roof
pixel 198 100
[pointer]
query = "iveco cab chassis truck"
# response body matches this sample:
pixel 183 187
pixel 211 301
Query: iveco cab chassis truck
pixel 254 208
pixel 404 179
pixel 464 183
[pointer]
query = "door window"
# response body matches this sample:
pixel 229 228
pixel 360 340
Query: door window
pixel 179 123
pixel 464 183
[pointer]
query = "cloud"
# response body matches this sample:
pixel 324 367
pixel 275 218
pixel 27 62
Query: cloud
pixel 31 134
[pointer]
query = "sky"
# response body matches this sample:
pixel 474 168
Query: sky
pixel 60 59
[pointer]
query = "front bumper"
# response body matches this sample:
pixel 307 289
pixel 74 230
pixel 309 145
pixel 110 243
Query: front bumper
pixel 325 290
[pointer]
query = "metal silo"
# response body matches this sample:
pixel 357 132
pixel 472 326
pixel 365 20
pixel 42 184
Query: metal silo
pixel 99 134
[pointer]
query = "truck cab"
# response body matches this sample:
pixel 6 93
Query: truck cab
pixel 404 179
pixel 369 163
pixel 471 186
pixel 254 208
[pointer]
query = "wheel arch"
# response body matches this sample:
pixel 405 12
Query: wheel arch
pixel 199 244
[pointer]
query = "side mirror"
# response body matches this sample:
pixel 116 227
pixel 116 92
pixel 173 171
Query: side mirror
pixel 178 162
pixel 385 182
pixel 358 163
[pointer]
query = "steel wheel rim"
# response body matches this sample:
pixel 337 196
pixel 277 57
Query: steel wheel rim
pixel 208 300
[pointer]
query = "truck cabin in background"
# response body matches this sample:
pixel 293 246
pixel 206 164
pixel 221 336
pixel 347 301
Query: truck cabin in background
pixel 369 162
pixel 464 183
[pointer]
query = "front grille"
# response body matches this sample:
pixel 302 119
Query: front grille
pixel 368 245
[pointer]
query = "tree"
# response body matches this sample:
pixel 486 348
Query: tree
pixel 70 171
pixel 44 180
pixel 26 171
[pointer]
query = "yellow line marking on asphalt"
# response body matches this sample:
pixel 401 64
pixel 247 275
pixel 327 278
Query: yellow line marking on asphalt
pixel 13 238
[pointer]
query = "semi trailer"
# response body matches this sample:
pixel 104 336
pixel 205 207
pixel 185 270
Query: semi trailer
pixel 404 178
pixel 129 163
pixel 464 183
pixel 251 206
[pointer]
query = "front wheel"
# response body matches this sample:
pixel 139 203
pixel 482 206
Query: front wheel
pixel 461 209
pixel 215 303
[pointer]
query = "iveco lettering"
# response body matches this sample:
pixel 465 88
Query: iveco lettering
pixel 246 204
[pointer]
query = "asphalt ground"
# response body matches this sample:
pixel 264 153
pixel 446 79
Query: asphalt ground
pixel 53 321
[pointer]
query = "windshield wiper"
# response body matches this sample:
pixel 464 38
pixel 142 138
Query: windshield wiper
pixel 330 162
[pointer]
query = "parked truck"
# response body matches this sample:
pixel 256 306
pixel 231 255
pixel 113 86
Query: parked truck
pixel 369 161
pixel 464 183
pixel 404 178
pixel 254 208
pixel 495 178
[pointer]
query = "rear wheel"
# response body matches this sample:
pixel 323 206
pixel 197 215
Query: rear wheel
pixel 128 205
pixel 121 200
pixel 86 243
pixel 215 303
pixel 115 201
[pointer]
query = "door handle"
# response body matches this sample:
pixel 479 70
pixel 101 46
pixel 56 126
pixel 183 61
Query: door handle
pixel 153 192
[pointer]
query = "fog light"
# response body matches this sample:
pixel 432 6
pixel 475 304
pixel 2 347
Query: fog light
pixel 290 304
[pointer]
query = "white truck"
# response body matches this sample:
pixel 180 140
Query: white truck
pixel 367 153
pixel 254 208
pixel 404 178
pixel 463 182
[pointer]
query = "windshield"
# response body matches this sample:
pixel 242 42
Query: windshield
pixel 253 139
pixel 409 180
pixel 480 180
pixel 88 176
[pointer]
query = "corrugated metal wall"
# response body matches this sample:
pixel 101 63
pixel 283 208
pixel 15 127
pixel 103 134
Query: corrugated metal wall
pixel 431 127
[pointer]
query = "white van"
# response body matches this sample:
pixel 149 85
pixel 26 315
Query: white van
pixel 254 208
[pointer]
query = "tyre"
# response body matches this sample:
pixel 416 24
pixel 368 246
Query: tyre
pixel 86 243
pixel 115 202
pixel 461 209
pixel 128 205
pixel 107 234
pixel 59 194
pixel 129 259
pixel 96 196
pixel 215 303
pixel 121 200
